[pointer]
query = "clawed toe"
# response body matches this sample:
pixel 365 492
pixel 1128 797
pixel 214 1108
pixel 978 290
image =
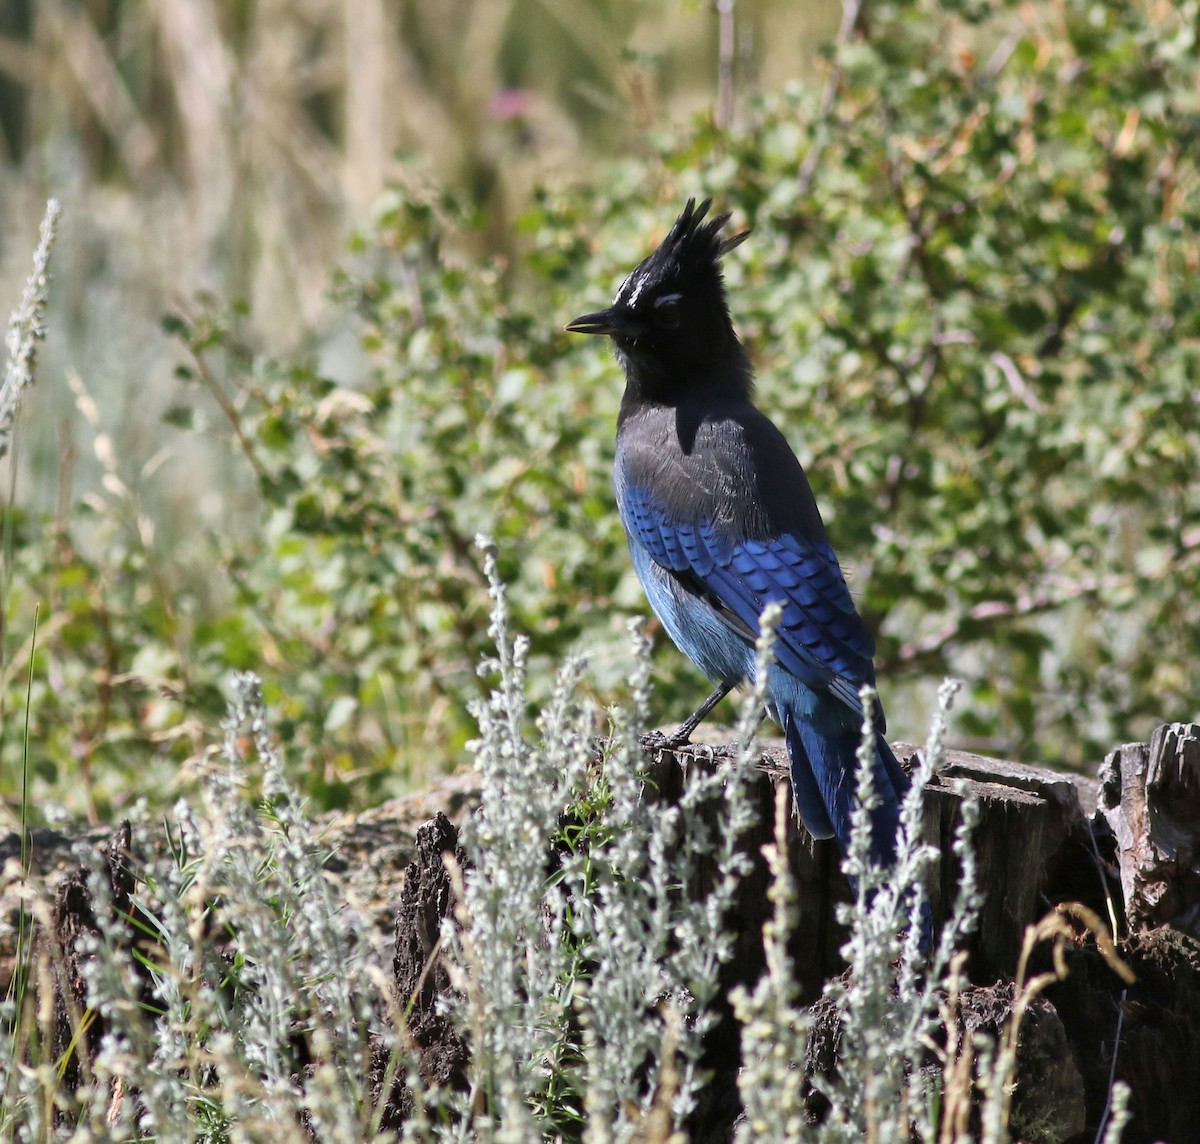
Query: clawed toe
pixel 657 741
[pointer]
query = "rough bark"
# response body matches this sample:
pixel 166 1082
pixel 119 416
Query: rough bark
pixel 427 897
pixel 77 914
pixel 1150 798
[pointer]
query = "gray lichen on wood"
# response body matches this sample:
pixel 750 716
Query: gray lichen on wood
pixel 1150 798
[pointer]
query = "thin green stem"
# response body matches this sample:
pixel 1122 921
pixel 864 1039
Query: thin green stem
pixel 19 973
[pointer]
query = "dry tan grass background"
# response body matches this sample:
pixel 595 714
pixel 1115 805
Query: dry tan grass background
pixel 234 145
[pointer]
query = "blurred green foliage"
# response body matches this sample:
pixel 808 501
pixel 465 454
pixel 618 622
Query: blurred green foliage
pixel 971 301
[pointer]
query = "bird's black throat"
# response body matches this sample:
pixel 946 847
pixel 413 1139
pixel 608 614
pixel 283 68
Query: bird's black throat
pixel 660 379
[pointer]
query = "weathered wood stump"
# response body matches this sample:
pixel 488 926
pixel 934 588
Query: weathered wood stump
pixel 1127 846
pixel 1034 848
pixel 1150 798
pixel 1041 841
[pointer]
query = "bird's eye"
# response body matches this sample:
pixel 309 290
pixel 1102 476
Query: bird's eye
pixel 666 311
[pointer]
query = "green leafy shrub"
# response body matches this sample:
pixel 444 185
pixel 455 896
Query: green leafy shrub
pixel 971 301
pixel 583 985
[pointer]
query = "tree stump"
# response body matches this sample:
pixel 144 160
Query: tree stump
pixel 1126 846
pixel 1035 847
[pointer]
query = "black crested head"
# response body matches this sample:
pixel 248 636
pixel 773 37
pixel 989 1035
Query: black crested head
pixel 689 257
pixel 670 321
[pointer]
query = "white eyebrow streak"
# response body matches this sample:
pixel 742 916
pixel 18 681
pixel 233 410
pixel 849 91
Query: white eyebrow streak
pixel 637 291
pixel 667 298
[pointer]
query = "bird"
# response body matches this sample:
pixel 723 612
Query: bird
pixel 721 521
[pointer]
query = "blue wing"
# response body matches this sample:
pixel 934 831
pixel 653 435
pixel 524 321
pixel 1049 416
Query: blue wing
pixel 822 640
pixel 823 652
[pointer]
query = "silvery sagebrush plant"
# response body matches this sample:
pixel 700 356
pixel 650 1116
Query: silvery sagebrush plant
pixel 305 961
pixel 888 1001
pixel 653 940
pixel 584 973
pixel 508 957
pixel 25 331
pixel 248 955
pixel 774 1027
pixel 894 994
pixel 26 327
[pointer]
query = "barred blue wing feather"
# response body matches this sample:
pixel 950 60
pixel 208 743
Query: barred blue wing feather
pixel 821 637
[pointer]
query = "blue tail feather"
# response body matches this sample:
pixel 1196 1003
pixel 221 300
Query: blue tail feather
pixel 810 803
pixel 822 744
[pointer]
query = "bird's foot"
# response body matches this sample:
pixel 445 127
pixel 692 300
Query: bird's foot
pixel 660 741
pixel 682 735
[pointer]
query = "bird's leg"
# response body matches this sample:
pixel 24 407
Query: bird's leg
pixel 683 733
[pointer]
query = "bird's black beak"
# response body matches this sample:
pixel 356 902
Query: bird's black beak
pixel 601 322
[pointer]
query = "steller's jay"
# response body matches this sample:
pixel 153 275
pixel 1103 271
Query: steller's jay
pixel 721 521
